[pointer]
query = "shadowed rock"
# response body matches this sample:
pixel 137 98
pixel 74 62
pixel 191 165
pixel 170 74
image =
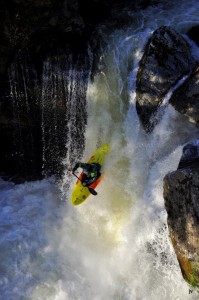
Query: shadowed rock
pixel 186 98
pixel 166 59
pixel 181 195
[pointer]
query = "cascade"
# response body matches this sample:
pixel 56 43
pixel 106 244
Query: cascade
pixel 48 109
pixel 64 116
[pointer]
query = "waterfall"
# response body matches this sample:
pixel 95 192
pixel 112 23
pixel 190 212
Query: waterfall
pixel 64 116
pixel 22 92
pixel 115 245
pixel 49 110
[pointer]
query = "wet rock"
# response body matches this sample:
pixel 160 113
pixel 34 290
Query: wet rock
pixel 186 98
pixel 166 59
pixel 190 156
pixel 181 194
pixel 31 33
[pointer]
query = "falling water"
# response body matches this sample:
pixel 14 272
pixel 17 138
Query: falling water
pixel 49 110
pixel 115 245
pixel 24 108
pixel 63 111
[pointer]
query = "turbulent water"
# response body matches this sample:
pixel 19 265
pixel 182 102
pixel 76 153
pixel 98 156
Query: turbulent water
pixel 115 245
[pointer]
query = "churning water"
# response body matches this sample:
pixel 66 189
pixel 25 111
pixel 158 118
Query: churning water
pixel 115 245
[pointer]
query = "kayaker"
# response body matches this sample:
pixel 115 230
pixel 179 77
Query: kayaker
pixel 91 172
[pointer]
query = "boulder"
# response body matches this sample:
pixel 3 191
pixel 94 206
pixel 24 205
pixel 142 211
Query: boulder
pixel 166 59
pixel 186 98
pixel 181 195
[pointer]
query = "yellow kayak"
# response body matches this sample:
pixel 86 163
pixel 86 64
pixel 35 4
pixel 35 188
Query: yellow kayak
pixel 81 193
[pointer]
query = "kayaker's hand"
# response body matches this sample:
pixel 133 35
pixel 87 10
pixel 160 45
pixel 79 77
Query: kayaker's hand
pixel 84 183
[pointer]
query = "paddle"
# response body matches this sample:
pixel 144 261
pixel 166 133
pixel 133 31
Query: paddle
pixel 92 191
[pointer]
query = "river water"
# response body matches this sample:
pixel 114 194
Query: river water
pixel 115 245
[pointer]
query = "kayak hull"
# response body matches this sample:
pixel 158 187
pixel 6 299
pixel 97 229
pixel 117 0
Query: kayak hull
pixel 80 193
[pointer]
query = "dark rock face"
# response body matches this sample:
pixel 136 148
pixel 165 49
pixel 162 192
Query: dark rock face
pixel 181 194
pixel 45 118
pixel 190 156
pixel 35 129
pixel 186 98
pixel 166 59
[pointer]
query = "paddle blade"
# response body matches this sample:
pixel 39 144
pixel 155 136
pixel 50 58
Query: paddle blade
pixel 92 191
